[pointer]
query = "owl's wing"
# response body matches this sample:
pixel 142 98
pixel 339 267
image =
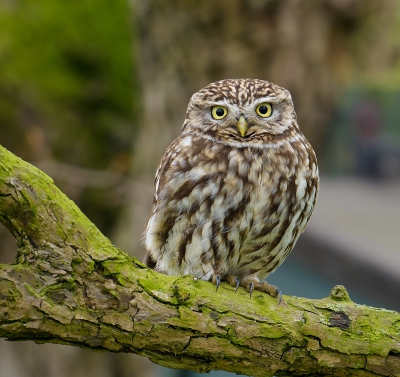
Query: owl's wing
pixel 159 182
pixel 165 163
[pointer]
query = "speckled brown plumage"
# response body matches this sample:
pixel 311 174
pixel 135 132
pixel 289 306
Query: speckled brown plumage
pixel 229 206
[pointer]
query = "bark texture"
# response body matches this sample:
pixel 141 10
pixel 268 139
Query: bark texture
pixel 70 285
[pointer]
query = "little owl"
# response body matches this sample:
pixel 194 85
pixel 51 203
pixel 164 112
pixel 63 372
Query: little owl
pixel 235 189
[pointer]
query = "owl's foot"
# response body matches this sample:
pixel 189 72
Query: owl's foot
pixel 263 286
pixel 233 281
pixel 251 285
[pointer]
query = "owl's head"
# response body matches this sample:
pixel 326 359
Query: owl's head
pixel 242 112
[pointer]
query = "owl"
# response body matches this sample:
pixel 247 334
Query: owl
pixel 235 189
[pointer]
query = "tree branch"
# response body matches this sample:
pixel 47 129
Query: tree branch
pixel 70 285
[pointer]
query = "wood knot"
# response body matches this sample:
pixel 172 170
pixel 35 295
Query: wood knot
pixel 339 319
pixel 339 293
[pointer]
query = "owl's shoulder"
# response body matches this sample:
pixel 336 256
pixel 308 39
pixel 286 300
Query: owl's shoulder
pixel 191 149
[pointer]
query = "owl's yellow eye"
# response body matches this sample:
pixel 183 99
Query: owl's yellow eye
pixel 264 110
pixel 219 112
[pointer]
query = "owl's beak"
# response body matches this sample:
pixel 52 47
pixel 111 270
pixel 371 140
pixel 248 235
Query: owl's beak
pixel 242 125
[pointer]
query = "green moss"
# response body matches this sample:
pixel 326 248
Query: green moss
pixel 339 293
pixel 32 291
pixel 25 275
pixel 196 322
pixel 81 266
pixel 182 295
pixel 121 269
pixel 159 286
pixel 59 293
pixel 395 328
pixel 8 291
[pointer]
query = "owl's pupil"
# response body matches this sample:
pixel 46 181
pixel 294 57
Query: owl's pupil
pixel 263 109
pixel 220 112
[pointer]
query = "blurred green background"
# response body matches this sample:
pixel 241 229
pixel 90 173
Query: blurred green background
pixel 66 87
pixel 92 92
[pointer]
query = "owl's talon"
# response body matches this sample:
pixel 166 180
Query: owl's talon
pixel 251 288
pixel 263 286
pixel 217 282
pixel 279 295
pixel 272 290
pixel 237 284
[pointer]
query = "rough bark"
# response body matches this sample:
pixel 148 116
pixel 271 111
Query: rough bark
pixel 70 285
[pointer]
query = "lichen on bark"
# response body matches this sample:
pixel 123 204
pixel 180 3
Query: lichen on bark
pixel 70 285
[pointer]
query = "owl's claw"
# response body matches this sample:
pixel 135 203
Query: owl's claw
pixel 217 282
pixel 233 281
pixel 251 288
pixel 237 284
pixel 279 295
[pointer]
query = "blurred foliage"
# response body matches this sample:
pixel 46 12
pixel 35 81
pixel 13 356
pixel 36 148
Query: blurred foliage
pixel 66 85
pixel 378 66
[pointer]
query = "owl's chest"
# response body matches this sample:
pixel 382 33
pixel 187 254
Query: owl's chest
pixel 231 181
pixel 246 182
pixel 246 165
pixel 257 175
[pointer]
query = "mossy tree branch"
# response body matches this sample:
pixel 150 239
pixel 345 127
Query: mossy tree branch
pixel 70 285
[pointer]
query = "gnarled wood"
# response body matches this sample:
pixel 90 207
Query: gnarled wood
pixel 70 285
